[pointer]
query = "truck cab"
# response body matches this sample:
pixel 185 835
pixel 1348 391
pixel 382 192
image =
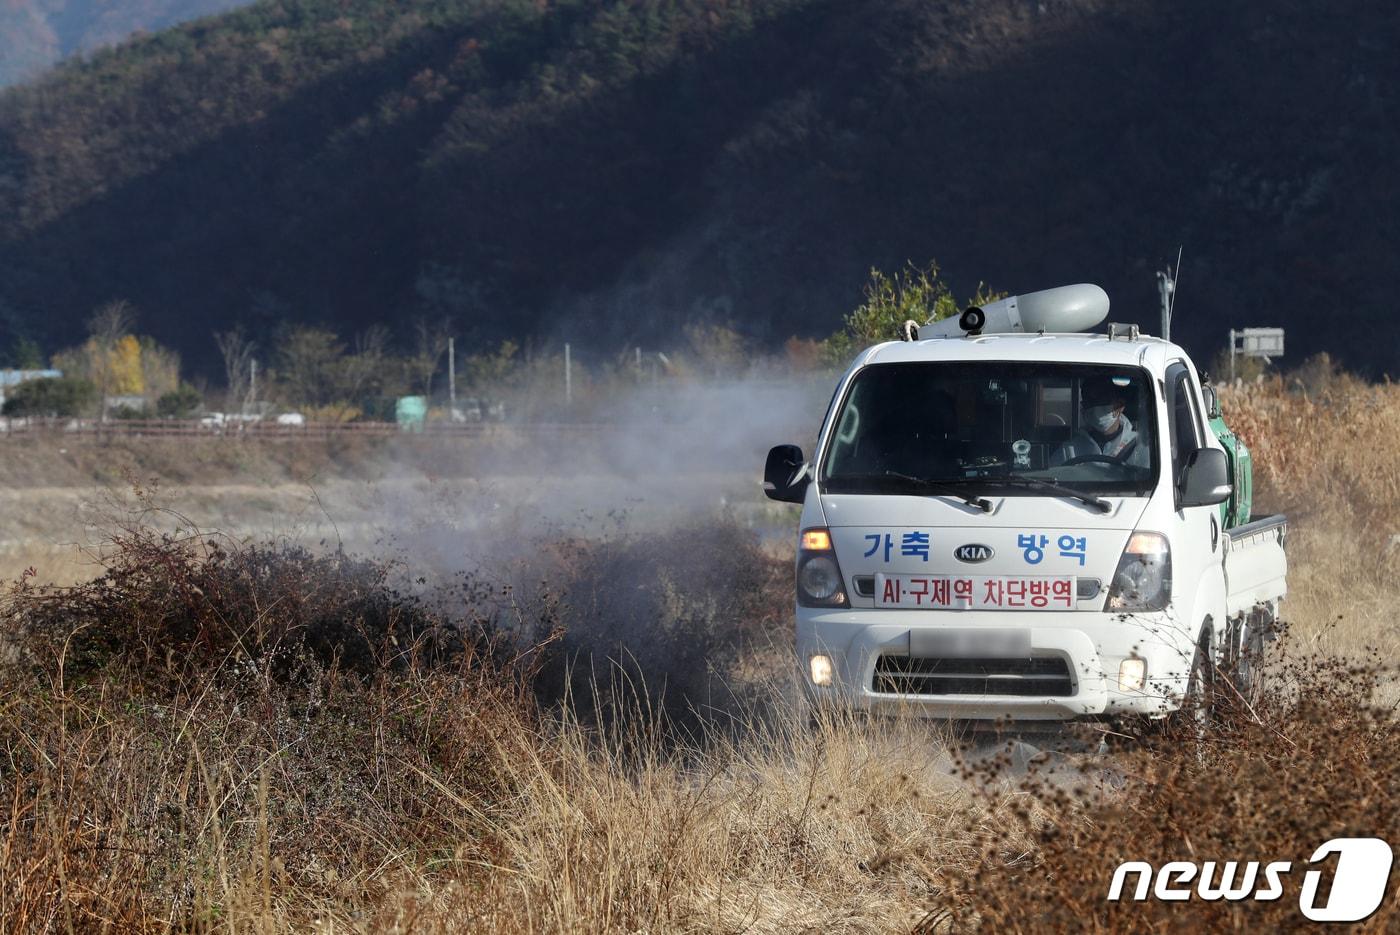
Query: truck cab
pixel 1002 520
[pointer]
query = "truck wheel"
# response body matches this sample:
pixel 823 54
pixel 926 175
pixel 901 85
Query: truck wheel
pixel 1249 671
pixel 1198 706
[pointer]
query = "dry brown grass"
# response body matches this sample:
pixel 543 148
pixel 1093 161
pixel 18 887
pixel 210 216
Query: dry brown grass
pixel 55 459
pixel 1308 762
pixel 1327 453
pixel 203 733
pixel 263 741
pixel 783 829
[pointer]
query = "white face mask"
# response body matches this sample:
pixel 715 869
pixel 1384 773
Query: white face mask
pixel 1102 418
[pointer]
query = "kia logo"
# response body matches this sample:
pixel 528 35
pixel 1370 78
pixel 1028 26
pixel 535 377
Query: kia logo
pixel 973 553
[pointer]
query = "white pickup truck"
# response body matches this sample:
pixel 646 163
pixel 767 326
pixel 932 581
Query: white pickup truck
pixel 1008 518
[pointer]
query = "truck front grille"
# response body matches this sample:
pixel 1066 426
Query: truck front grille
pixel 1041 676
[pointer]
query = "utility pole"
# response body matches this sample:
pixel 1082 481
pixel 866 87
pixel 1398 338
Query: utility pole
pixel 252 385
pixel 452 378
pixel 568 376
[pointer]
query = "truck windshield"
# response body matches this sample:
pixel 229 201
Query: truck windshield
pixel 996 425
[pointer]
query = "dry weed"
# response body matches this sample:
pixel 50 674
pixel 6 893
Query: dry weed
pixel 1327 453
pixel 217 739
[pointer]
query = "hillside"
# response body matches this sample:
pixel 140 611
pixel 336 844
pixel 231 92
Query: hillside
pixel 35 34
pixel 602 171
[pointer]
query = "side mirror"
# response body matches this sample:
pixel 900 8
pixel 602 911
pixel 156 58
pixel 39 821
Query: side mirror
pixel 781 479
pixel 1205 480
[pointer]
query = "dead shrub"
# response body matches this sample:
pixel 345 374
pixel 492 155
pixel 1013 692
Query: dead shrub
pixel 168 608
pixel 665 619
pixel 1272 781
pixel 205 731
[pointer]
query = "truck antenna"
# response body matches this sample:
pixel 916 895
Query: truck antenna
pixel 1166 286
pixel 1176 279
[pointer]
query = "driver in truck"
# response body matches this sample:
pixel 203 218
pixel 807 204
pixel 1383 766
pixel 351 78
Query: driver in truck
pixel 1104 427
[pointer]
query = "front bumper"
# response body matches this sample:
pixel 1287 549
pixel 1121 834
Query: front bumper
pixel 1093 645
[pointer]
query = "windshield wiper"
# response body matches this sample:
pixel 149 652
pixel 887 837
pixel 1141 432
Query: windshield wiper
pixel 943 488
pixel 1060 489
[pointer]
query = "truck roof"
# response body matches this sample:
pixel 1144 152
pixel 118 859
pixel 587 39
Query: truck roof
pixel 1063 348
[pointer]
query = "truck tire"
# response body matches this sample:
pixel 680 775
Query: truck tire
pixel 1249 675
pixel 1198 705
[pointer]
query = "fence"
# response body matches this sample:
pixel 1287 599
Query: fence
pixel 185 428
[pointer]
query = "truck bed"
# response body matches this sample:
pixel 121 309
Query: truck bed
pixel 1255 564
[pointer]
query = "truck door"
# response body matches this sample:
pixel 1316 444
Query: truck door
pixel 1196 538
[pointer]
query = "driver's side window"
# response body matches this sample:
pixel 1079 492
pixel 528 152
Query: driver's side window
pixel 1181 413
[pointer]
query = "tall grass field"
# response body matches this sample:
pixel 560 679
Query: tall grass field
pixel 600 735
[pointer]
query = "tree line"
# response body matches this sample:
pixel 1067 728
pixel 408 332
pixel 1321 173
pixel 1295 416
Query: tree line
pixel 326 376
pixel 323 376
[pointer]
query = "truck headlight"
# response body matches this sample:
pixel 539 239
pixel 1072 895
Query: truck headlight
pixel 818 576
pixel 1132 675
pixel 820 668
pixel 819 581
pixel 1143 580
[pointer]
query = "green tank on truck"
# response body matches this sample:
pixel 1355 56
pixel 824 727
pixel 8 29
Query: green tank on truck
pixel 1236 511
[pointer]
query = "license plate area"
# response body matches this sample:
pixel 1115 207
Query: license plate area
pixel 997 643
pixel 974 592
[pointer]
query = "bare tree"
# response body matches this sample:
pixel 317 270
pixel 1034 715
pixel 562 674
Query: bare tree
pixel 111 322
pixel 431 344
pixel 237 352
pixel 366 364
pixel 108 325
pixel 309 362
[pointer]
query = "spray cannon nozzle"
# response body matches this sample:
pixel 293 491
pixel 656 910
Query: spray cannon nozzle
pixel 972 320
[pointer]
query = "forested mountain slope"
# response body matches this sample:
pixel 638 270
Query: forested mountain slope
pixel 604 171
pixel 37 33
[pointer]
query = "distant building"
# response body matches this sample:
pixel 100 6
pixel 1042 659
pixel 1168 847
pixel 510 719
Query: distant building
pixel 125 403
pixel 9 379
